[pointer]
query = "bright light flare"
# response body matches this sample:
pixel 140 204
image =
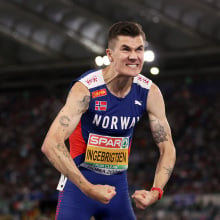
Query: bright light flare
pixel 149 56
pixel 99 61
pixel 154 70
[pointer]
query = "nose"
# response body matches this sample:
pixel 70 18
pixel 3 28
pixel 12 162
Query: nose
pixel 132 55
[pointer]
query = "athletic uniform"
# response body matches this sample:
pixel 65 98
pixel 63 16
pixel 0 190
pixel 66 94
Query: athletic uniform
pixel 100 146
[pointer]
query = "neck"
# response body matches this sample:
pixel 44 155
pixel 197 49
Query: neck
pixel 118 85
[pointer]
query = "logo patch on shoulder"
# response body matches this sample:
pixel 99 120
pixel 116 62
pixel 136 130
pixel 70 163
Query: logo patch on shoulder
pixel 143 79
pixel 99 93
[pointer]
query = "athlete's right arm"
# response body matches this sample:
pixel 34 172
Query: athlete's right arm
pixel 56 151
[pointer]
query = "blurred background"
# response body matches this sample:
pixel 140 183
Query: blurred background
pixel 45 44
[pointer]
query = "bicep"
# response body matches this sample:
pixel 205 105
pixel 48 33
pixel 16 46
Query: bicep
pixel 69 116
pixel 157 117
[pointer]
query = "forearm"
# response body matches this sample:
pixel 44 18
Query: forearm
pixel 144 198
pixel 59 156
pixel 162 135
pixel 164 167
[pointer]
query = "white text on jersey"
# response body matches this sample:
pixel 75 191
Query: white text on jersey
pixel 115 122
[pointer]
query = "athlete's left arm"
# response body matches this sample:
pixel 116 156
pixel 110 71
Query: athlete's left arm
pixel 162 135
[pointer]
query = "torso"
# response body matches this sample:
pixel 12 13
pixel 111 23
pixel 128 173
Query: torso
pixel 106 128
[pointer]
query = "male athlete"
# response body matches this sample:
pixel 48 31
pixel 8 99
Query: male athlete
pixel 98 117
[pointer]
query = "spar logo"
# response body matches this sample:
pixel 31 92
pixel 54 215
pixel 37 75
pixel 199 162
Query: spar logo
pixel 125 142
pixel 107 141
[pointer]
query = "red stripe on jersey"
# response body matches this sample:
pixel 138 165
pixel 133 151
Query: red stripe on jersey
pixel 129 149
pixel 77 143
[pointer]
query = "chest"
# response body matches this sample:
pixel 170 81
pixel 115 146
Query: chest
pixel 109 112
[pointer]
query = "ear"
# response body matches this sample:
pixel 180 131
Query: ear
pixel 109 54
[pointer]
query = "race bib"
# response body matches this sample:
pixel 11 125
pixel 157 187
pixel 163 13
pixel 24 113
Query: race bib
pixel 106 154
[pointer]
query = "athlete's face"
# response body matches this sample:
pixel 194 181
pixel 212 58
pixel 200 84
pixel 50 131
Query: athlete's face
pixel 127 55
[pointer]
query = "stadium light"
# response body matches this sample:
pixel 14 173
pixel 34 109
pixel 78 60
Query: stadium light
pixel 106 60
pixel 99 61
pixel 149 56
pixel 154 70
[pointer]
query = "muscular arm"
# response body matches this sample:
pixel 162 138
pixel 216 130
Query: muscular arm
pixel 66 121
pixel 56 151
pixel 162 135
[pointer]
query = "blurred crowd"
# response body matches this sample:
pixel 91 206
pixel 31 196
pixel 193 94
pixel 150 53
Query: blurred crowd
pixel 192 107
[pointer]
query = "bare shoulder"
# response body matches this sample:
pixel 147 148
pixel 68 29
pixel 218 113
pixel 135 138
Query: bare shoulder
pixel 154 90
pixel 79 89
pixel 79 96
pixel 155 99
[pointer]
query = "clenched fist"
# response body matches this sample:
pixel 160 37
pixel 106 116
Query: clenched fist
pixel 144 198
pixel 101 193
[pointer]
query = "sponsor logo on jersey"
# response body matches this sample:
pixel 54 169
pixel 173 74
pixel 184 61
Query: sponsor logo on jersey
pixel 99 93
pixel 107 150
pixel 92 80
pixel 107 141
pixel 100 105
pixel 143 79
pixel 136 102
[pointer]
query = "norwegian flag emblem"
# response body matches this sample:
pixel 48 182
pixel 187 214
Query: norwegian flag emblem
pixel 100 105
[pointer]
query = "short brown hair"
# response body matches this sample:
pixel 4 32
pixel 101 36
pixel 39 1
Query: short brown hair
pixel 124 28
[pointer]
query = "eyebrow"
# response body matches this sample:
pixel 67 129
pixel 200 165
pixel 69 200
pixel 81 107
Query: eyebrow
pixel 126 46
